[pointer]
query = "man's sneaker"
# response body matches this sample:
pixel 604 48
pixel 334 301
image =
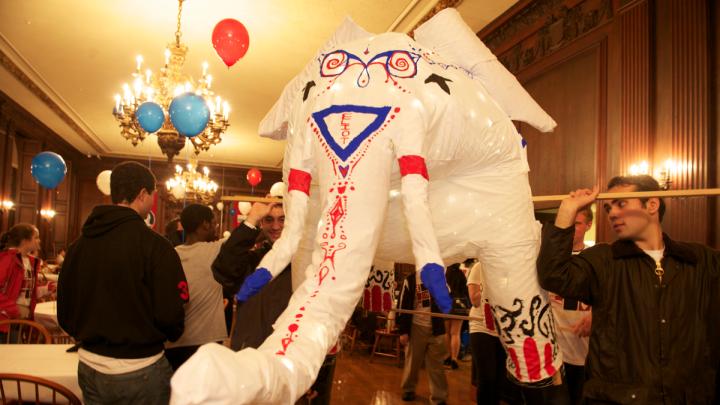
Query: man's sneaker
pixel 408 396
pixel 453 364
pixel 447 361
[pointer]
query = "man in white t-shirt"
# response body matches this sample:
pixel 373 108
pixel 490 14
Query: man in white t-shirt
pixel 204 316
pixel 573 320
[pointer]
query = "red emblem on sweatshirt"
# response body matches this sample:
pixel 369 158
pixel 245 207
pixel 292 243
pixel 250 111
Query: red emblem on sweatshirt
pixel 183 287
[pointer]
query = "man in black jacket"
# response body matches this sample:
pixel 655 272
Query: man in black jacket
pixel 654 337
pixel 237 259
pixel 121 294
pixel 424 337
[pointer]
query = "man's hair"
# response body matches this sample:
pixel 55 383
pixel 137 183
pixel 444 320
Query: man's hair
pixel 171 227
pixel 15 235
pixel 128 179
pixel 642 182
pixel 588 213
pixel 194 215
pixel 172 234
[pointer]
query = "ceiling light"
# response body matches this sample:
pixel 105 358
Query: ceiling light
pixel 161 89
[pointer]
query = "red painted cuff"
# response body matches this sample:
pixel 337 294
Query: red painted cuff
pixel 299 180
pixel 413 164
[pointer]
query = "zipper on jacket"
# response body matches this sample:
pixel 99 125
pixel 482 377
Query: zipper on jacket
pixel 659 271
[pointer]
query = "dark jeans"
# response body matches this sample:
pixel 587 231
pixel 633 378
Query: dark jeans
pixel 491 379
pixel 574 379
pixel 150 385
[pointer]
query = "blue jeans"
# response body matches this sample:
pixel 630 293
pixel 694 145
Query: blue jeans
pixel 149 385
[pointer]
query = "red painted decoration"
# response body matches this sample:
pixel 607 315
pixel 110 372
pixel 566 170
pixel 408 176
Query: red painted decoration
pixel 549 359
pixel 413 164
pixel 532 358
pixel 299 180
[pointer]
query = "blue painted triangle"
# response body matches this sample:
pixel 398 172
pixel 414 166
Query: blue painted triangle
pixel 344 153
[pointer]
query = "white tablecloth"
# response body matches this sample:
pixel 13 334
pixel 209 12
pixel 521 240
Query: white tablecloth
pixel 51 362
pixel 46 314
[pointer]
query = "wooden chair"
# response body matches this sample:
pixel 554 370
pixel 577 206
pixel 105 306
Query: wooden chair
pixel 348 337
pixel 36 390
pixel 24 331
pixel 62 338
pixel 395 350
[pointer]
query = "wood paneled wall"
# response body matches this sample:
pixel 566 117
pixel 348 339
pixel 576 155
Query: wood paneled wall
pixel 75 197
pixel 627 81
pixel 22 137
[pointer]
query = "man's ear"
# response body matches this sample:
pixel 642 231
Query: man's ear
pixel 141 195
pixel 653 205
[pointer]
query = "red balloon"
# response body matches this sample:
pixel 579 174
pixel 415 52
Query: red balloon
pixel 230 40
pixel 254 177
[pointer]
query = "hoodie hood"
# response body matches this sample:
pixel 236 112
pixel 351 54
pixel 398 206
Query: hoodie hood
pixel 105 218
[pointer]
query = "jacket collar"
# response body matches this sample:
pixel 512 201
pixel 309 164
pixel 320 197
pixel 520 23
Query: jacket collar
pixel 625 248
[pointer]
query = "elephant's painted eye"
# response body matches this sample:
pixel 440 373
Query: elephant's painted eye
pixel 334 64
pixel 401 64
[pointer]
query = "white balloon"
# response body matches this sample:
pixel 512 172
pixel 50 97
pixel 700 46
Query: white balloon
pixel 277 189
pixel 244 207
pixel 103 181
pixel 220 206
pixel 226 234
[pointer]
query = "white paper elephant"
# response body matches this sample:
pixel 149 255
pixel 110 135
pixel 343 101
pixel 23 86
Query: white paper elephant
pixel 367 123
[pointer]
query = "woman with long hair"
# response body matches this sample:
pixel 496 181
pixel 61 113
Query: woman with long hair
pixel 18 272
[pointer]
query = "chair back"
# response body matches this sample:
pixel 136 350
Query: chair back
pixel 23 331
pixel 62 338
pixel 21 388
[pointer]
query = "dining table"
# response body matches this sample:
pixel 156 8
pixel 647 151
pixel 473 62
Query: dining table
pixel 46 314
pixel 51 362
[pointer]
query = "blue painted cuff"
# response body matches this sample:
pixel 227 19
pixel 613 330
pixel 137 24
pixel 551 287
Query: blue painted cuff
pixel 433 278
pixel 253 284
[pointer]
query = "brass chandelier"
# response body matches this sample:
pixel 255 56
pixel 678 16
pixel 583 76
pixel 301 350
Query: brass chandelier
pixel 189 184
pixel 161 89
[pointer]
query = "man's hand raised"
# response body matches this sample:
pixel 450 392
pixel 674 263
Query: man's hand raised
pixel 570 206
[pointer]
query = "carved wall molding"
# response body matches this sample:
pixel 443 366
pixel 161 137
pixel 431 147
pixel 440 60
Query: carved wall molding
pixel 544 27
pixel 25 80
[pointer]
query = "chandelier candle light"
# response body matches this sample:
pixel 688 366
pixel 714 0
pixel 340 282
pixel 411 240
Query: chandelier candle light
pixel 192 185
pixel 143 107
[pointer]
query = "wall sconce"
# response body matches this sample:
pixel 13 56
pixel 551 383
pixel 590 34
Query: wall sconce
pixel 47 214
pixel 662 174
pixel 7 205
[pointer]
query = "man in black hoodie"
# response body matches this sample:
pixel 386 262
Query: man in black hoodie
pixel 121 294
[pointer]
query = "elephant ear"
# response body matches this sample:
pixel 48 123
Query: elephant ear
pixel 274 125
pixel 449 36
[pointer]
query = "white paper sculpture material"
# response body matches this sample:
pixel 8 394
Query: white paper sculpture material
pixel 376 118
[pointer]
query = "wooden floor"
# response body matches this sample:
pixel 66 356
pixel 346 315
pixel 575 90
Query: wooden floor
pixel 359 382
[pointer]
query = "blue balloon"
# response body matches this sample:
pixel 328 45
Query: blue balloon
pixel 48 169
pixel 189 114
pixel 150 116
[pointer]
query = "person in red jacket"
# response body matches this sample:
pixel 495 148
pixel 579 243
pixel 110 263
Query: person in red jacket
pixel 18 273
